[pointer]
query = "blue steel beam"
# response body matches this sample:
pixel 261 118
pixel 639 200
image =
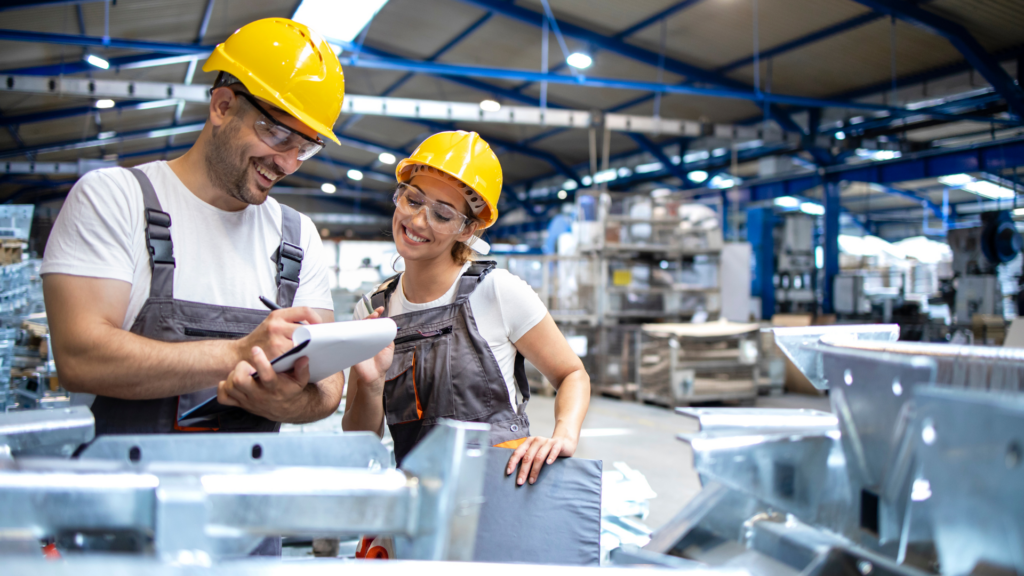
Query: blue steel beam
pixel 440 52
pixel 962 40
pixel 95 142
pixel 62 113
pixel 466 75
pixel 617 46
pixel 551 159
pixel 147 60
pixel 666 13
pixel 830 243
pixel 603 42
pixel 19 4
pixel 654 150
pixel 985 157
pixel 101 42
pixel 802 41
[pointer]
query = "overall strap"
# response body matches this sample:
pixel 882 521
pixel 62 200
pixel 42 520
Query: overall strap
pixel 519 374
pixel 472 278
pixel 158 239
pixel 289 256
pixel 383 295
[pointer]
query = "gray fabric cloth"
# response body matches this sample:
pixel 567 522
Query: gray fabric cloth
pixel 557 520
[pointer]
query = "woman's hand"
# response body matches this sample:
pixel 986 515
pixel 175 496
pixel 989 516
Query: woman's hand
pixel 536 451
pixel 371 372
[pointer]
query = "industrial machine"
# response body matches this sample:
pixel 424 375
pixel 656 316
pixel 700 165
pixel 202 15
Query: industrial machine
pixel 977 254
pixel 918 470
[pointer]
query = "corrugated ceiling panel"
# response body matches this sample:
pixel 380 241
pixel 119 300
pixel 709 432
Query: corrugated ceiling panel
pixel 716 32
pixel 857 58
pixel 996 24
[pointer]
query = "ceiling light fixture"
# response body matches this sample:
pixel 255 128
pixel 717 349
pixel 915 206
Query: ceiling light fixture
pixel 786 202
pixel 386 158
pixel 490 105
pixel 328 188
pixel 355 174
pixel 337 19
pixel 97 61
pixel 840 135
pixel 697 176
pixel 105 103
pixel 579 60
pixel 562 194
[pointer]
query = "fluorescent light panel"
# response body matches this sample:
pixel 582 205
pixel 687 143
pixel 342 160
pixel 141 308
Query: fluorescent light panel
pixel 337 19
pixel 97 61
pixel 982 188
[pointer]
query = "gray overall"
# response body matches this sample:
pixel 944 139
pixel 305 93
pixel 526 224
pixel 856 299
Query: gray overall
pixel 168 320
pixel 443 368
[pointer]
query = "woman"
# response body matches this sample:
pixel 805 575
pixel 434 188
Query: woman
pixel 465 326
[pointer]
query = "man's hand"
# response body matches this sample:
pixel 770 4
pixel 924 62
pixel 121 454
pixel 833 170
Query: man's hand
pixel 281 397
pixel 371 372
pixel 535 452
pixel 274 335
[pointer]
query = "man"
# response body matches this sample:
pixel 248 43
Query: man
pixel 152 277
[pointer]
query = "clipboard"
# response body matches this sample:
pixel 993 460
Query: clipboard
pixel 330 347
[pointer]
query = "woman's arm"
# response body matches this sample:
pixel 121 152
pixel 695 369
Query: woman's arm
pixel 364 400
pixel 545 347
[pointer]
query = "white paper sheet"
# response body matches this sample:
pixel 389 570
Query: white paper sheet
pixel 335 346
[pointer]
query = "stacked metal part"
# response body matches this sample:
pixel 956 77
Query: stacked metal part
pixel 918 470
pixel 197 499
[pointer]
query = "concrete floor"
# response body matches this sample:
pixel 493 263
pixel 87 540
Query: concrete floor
pixel 644 437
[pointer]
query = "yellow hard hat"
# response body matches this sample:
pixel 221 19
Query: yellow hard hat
pixel 466 157
pixel 288 65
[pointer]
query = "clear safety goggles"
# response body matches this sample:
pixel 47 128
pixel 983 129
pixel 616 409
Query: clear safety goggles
pixel 280 137
pixel 442 217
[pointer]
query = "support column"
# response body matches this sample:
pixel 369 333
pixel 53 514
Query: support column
pixel 760 226
pixel 830 241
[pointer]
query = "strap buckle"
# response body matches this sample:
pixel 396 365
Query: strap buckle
pixel 158 237
pixel 289 262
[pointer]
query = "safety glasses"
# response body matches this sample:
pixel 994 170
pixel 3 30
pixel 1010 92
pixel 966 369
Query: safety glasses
pixel 280 137
pixel 442 217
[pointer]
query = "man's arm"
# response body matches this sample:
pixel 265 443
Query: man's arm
pixel 95 355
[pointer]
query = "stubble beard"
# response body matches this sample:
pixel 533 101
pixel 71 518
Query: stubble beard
pixel 228 166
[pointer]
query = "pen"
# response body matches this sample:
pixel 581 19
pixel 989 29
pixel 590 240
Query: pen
pixel 369 306
pixel 269 303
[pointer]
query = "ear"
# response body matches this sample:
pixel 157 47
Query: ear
pixel 468 231
pixel 222 102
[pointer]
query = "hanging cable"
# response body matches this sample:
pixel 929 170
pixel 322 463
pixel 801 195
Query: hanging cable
pixel 558 34
pixel 544 64
pixel 757 53
pixel 661 67
pixel 892 50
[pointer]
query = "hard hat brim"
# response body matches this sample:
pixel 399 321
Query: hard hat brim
pixel 487 219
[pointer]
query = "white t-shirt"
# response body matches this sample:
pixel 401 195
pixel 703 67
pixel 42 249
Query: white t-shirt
pixel 505 308
pixel 222 258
